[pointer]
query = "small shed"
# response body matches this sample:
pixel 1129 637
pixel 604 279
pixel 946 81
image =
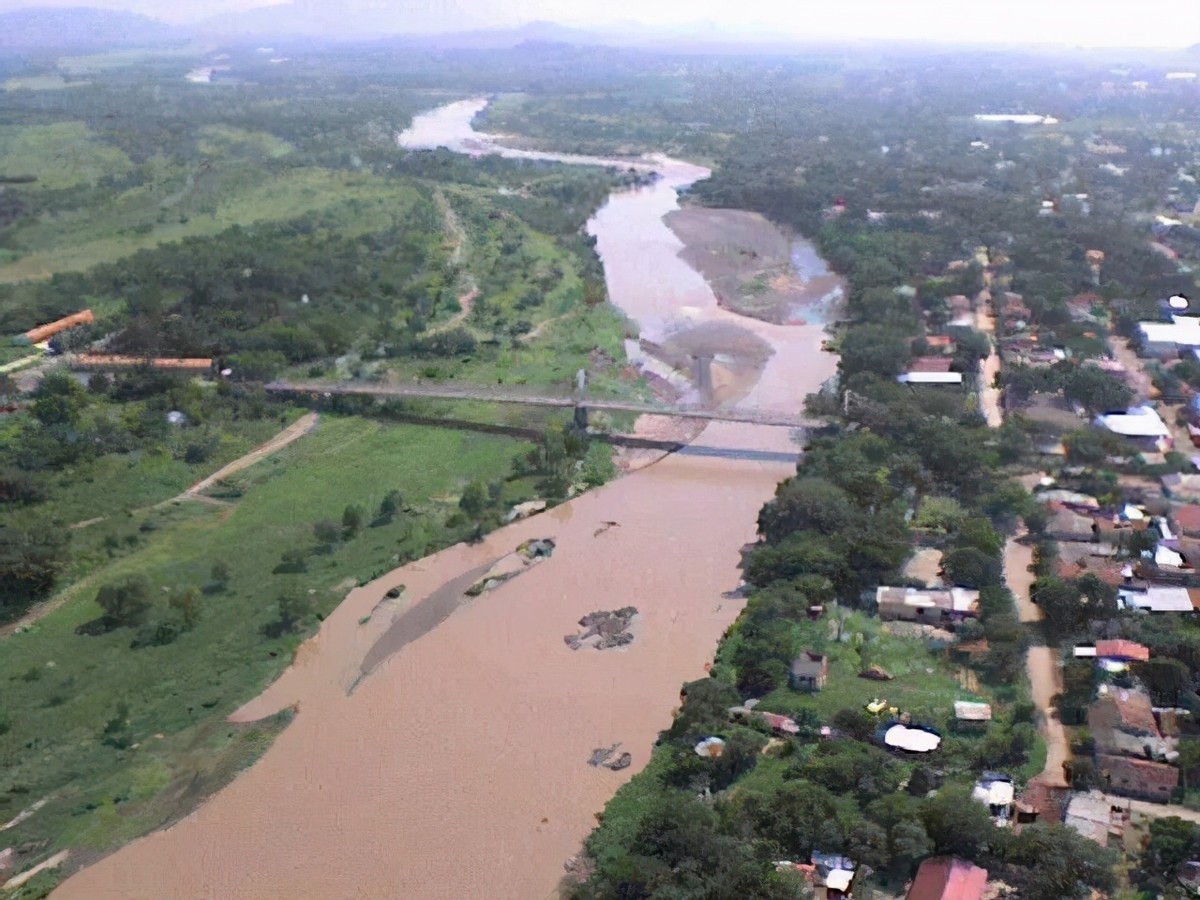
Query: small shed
pixel 809 672
pixel 971 714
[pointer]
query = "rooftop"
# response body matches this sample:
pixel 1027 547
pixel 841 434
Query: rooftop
pixel 961 600
pixel 967 711
pixel 1138 776
pixel 1140 421
pixel 948 878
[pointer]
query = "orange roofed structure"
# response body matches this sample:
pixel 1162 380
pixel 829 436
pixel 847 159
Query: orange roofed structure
pixel 106 361
pixel 948 878
pixel 49 330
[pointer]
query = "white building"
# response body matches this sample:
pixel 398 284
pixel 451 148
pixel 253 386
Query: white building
pixel 1141 425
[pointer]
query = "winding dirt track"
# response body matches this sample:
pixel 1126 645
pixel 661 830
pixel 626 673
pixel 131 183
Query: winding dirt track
pixel 296 430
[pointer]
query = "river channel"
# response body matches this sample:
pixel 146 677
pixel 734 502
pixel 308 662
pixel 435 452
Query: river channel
pixel 459 767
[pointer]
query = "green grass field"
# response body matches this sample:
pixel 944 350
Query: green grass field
pixel 60 688
pixel 177 204
pixel 60 155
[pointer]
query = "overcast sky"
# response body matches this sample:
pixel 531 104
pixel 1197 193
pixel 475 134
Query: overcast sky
pixel 1166 23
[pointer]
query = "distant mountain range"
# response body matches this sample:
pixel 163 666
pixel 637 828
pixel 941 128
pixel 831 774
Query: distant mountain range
pixel 83 27
pixel 416 21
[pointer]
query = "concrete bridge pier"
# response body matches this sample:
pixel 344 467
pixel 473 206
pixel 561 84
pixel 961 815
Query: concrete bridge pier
pixel 702 375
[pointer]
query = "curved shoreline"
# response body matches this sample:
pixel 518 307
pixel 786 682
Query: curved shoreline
pixel 459 767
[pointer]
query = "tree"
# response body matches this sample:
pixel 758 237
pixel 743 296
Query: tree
pixel 957 824
pixel 390 506
pixel 971 568
pixel 59 399
pixel 327 532
pixel 1173 841
pixel 1059 863
pixel 125 602
pixel 218 579
pixel 352 520
pixel 875 349
pixel 1096 390
pixel 805 503
pixel 30 562
pixel 705 704
pixel 802 817
pixel 292 609
pixel 474 499
pixel 188 604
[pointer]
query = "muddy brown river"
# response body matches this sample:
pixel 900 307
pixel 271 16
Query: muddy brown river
pixel 458 767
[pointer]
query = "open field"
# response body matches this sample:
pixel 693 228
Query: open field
pixel 201 206
pixel 62 687
pixel 60 155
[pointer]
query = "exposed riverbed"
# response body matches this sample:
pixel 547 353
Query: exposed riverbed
pixel 458 767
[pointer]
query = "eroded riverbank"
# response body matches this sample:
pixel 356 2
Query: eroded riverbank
pixel 458 767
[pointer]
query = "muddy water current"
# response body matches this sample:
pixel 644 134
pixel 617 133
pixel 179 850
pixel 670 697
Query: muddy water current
pixel 457 766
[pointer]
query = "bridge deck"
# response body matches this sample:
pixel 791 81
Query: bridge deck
pixel 507 395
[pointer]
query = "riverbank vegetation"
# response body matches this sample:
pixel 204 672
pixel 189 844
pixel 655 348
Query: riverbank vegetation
pixel 277 230
pixel 916 205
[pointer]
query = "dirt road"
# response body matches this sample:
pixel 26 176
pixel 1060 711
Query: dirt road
pixel 1045 675
pixel 297 429
pixel 989 368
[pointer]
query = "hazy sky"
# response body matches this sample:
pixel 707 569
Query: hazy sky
pixel 1167 23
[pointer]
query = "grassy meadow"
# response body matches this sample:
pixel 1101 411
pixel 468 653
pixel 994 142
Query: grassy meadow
pixel 63 689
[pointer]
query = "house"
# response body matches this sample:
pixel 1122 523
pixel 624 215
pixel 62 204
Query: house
pixel 1122 709
pixel 1113 656
pixel 935 607
pixel 947 878
pixel 1067 525
pixel 930 378
pixel 961 312
pixel 1096 817
pixel 49 330
pixel 930 364
pixel 970 713
pixel 1187 519
pixel 97 361
pixel 1183 487
pixel 995 791
pixel 809 672
pixel 1161 339
pixel 1040 802
pixel 1123 721
pixel 1138 778
pixel 939 342
pixel 1140 425
pixel 1157 598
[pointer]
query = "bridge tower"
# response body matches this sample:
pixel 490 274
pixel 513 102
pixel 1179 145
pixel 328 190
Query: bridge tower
pixel 702 374
pixel 581 414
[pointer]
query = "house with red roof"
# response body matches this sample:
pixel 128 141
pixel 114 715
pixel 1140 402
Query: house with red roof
pixel 948 878
pixel 1187 519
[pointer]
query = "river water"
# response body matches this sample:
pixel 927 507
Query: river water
pixel 458 768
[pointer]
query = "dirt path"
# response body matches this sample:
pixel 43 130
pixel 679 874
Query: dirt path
pixel 458 237
pixel 989 368
pixel 1045 674
pixel 296 430
pixel 1138 379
